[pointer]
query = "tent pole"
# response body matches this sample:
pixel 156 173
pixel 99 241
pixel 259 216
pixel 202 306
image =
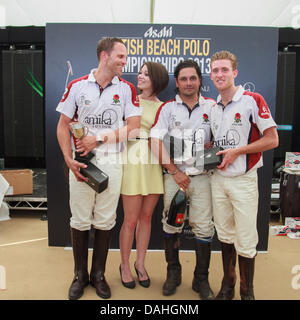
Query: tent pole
pixel 152 7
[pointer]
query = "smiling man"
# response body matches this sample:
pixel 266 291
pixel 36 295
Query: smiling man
pixel 108 106
pixel 242 124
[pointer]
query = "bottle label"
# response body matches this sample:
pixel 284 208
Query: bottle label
pixel 179 218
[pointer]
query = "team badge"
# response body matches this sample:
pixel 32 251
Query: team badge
pixel 205 117
pixel 116 99
pixel 237 118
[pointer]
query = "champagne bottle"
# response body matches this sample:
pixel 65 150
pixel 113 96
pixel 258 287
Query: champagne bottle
pixel 177 209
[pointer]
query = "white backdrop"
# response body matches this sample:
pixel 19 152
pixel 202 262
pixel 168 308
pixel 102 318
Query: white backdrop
pixel 276 13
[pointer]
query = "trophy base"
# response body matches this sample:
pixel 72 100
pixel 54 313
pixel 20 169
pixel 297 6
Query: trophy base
pixel 208 159
pixel 86 159
pixel 211 160
pixel 97 179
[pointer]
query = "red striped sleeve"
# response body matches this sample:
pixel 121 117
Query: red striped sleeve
pixel 207 98
pixel 263 109
pixel 159 110
pixel 67 91
pixel 253 158
pixel 134 96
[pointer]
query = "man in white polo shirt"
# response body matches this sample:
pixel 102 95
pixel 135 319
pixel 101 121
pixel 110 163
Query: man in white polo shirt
pixel 242 124
pixel 186 117
pixel 108 106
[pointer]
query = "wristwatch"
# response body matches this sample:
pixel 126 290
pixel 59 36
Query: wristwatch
pixel 99 139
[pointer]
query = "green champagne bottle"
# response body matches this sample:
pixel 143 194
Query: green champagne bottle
pixel 177 209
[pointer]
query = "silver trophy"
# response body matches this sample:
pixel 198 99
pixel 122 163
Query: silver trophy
pixel 97 179
pixel 79 131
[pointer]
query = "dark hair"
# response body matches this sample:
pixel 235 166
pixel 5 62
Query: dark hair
pixel 107 44
pixel 158 75
pixel 188 64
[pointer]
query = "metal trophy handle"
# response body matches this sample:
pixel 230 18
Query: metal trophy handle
pixel 78 130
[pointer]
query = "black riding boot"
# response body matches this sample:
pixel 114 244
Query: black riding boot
pixel 246 266
pixel 171 245
pixel 80 253
pixel 229 278
pixel 97 279
pixel 200 281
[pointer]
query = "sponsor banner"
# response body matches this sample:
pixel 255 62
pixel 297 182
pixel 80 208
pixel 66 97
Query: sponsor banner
pixel 75 44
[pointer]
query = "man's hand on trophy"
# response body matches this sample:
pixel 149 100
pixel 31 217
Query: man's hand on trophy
pixel 229 156
pixel 75 166
pixel 86 144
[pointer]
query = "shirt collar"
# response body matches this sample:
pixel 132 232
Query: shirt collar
pixel 91 78
pixel 239 93
pixel 179 100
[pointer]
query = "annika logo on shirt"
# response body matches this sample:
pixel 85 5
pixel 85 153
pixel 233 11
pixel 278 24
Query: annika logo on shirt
pixel 231 139
pixel 106 119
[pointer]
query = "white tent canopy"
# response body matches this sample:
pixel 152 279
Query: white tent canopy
pixel 274 13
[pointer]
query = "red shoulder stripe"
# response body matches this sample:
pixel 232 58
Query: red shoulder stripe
pixel 263 109
pixel 159 110
pixel 253 158
pixel 134 96
pixel 207 98
pixel 67 91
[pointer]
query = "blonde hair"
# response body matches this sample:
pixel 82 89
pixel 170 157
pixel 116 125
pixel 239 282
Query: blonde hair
pixel 225 55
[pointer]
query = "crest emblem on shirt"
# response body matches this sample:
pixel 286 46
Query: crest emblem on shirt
pixel 237 118
pixel 116 99
pixel 205 118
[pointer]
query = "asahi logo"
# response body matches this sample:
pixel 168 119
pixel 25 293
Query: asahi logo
pixel 155 33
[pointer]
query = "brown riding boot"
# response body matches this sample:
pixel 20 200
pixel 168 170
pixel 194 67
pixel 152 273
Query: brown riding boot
pixel 229 278
pixel 80 253
pixel 200 282
pixel 246 266
pixel 97 279
pixel 171 245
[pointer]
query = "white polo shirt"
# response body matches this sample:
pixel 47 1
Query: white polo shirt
pixel 175 118
pixel 241 122
pixel 101 110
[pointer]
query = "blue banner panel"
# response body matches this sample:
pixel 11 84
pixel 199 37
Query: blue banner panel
pixel 75 45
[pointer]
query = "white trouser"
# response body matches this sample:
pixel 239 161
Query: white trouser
pixel 235 204
pixel 200 212
pixel 90 208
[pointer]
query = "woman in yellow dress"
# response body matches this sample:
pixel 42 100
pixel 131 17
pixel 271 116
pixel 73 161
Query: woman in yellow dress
pixel 142 181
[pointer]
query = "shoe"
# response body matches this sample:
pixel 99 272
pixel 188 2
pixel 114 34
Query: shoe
pixel 99 283
pixel 130 284
pixel 143 283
